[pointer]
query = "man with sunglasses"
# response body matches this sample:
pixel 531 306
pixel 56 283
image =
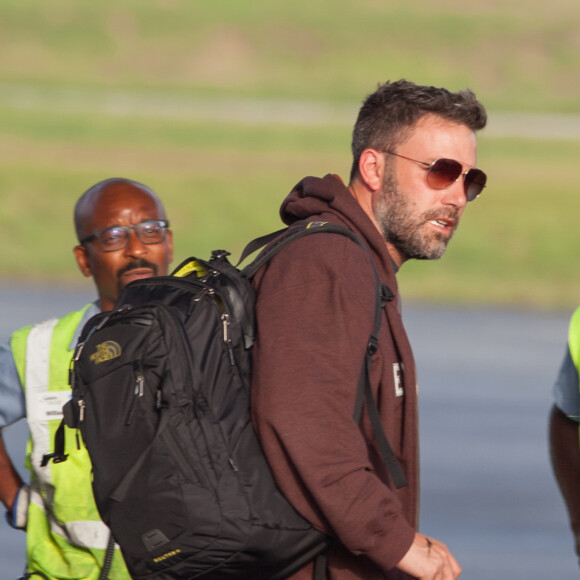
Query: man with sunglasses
pixel 413 173
pixel 123 235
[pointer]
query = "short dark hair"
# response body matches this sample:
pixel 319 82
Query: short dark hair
pixel 394 108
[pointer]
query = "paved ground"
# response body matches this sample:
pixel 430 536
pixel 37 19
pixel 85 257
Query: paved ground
pixel 485 378
pixel 488 490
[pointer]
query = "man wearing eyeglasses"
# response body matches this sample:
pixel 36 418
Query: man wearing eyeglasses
pixel 413 173
pixel 123 235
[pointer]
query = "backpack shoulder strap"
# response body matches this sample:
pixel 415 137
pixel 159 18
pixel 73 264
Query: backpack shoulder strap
pixel 258 243
pixel 282 238
pixel 383 294
pixel 364 393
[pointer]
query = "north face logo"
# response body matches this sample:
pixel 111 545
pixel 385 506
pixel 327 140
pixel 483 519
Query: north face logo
pixel 106 351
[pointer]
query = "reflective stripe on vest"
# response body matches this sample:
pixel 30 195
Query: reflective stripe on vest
pixel 42 357
pixel 36 378
pixel 44 405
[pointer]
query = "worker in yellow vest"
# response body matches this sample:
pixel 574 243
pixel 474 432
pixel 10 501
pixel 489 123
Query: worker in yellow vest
pixel 123 235
pixel 564 428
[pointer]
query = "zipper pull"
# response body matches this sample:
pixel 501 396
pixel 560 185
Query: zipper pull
pixel 81 410
pixel 139 384
pixel 73 360
pixel 78 351
pixel 225 325
pixel 138 393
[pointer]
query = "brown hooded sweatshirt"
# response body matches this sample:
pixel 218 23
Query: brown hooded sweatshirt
pixel 315 314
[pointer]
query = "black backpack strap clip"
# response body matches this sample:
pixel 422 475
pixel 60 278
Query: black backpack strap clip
pixel 386 294
pixel 58 456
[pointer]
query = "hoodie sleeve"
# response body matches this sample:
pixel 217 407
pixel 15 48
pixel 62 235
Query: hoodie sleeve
pixel 314 314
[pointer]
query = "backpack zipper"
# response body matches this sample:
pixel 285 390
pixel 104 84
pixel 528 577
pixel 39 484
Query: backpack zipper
pixel 138 391
pixel 225 317
pixel 81 404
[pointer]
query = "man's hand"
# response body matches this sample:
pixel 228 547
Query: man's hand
pixel 428 559
pixel 13 493
pixel 10 481
pixel 17 516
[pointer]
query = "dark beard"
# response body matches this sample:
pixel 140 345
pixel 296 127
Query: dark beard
pixel 135 265
pixel 403 229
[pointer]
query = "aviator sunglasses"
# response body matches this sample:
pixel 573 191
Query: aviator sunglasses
pixel 443 173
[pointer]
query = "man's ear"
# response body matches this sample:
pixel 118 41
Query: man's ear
pixel 82 258
pixel 371 167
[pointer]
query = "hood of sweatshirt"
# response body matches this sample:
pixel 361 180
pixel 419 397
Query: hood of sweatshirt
pixel 328 199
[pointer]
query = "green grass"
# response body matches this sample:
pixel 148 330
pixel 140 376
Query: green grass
pixel 516 55
pixel 146 89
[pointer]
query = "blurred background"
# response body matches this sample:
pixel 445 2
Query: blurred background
pixel 221 107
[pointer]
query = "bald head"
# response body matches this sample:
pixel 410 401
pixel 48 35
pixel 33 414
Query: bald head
pixel 118 208
pixel 105 193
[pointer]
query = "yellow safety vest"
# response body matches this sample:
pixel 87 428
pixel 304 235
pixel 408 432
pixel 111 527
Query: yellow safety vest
pixel 574 344
pixel 66 538
pixel 574 338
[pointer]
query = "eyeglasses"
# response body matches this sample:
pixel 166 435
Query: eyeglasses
pixel 117 237
pixel 443 173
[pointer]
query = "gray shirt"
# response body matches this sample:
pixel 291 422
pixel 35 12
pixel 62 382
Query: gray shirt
pixel 567 388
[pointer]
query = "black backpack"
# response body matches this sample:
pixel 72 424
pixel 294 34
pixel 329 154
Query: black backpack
pixel 160 392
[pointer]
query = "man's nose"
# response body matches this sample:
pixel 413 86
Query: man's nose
pixel 135 247
pixel 455 194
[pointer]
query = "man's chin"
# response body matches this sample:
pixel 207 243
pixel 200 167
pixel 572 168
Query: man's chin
pixel 425 251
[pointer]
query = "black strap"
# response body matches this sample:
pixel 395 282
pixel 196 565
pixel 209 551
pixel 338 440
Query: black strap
pixel 258 243
pixel 320 565
pixel 108 558
pixel 284 237
pixel 58 455
pixel 277 241
pixel 365 393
